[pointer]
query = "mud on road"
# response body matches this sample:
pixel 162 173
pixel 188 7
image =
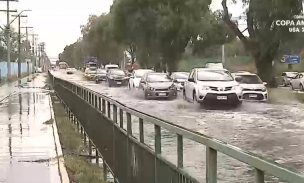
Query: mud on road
pixel 275 131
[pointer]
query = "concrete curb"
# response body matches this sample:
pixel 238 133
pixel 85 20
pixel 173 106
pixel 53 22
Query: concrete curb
pixel 64 178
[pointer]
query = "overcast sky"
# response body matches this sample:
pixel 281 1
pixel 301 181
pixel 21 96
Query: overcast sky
pixel 58 21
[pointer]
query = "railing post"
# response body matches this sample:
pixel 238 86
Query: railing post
pixel 129 134
pixel 103 106
pixel 97 156
pixel 95 101
pixel 157 144
pixel 121 118
pixel 109 109
pixel 141 130
pixel 259 176
pixel 114 113
pixel 104 171
pixel 211 165
pixel 90 147
pixel 180 151
pixel 99 103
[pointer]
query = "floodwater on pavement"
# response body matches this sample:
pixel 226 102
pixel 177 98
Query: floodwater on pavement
pixel 271 130
pixel 27 147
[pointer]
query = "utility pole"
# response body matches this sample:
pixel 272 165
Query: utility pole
pixel 8 37
pixel 19 42
pixel 223 53
pixel 34 47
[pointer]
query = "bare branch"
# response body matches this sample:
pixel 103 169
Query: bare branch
pixel 232 25
pixel 250 20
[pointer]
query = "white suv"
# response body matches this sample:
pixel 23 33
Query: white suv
pixel 206 85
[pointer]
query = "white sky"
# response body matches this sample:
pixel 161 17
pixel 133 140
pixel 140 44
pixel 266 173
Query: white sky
pixel 58 21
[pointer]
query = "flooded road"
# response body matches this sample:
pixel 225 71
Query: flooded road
pixel 275 131
pixel 27 143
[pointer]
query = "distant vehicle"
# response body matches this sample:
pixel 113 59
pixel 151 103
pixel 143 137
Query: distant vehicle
pixel 136 76
pixel 63 65
pixel 253 87
pixel 90 62
pixel 116 77
pixel 38 70
pixel 111 66
pixel 157 85
pixel 214 65
pixel 179 79
pixel 90 73
pixel 297 82
pixel 205 86
pixel 101 75
pixel 70 70
pixel 287 77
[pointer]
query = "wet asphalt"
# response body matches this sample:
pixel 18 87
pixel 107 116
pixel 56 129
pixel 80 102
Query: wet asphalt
pixel 27 144
pixel 275 131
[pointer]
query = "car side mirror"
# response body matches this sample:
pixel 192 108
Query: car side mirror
pixel 264 83
pixel 238 79
pixel 191 79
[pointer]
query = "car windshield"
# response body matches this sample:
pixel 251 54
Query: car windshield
pixel 118 73
pixel 141 73
pixel 101 71
pixel 250 79
pixel 291 74
pixel 154 78
pixel 181 75
pixel 214 75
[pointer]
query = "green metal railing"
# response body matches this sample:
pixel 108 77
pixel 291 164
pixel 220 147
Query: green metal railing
pixel 96 118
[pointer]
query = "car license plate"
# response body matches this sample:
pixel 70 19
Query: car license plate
pixel 221 97
pixel 162 94
pixel 253 96
pixel 118 83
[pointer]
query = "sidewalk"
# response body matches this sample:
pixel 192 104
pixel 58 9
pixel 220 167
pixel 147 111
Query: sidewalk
pixel 29 143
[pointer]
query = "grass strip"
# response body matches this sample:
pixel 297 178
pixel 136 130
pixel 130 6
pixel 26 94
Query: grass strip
pixel 77 162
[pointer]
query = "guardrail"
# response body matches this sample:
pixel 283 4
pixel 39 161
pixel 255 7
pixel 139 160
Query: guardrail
pixel 156 167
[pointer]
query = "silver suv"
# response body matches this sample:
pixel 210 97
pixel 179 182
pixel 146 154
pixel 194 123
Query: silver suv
pixel 206 85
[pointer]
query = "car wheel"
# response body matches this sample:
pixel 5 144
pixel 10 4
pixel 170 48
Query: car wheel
pixel 146 96
pixel 291 87
pixel 301 87
pixel 194 98
pixel 284 83
pixel 184 95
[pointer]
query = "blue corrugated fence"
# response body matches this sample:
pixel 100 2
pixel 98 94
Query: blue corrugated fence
pixel 14 68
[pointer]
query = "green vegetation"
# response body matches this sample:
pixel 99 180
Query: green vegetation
pixel 78 165
pixel 181 34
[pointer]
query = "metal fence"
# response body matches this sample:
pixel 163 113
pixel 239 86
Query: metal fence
pixel 14 68
pixel 131 161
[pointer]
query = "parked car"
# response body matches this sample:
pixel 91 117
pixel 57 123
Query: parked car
pixel 253 87
pixel 101 75
pixel 287 77
pixel 70 70
pixel 157 85
pixel 38 70
pixel 179 79
pixel 136 76
pixel 297 82
pixel 117 77
pixel 206 85
pixel 215 65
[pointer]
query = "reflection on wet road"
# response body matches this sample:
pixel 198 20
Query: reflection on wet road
pixel 274 131
pixel 27 145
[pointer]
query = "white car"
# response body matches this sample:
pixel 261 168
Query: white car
pixel 206 85
pixel 214 65
pixel 253 87
pixel 136 77
pixel 38 70
pixel 179 79
pixel 71 70
pixel 297 82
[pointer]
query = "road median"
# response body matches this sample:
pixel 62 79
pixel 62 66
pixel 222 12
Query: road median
pixel 77 160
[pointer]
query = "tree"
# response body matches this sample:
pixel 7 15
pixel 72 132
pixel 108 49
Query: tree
pixel 265 37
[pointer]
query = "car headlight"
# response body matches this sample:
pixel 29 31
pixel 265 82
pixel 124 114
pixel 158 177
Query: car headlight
pixel 172 87
pixel 237 88
pixel 264 89
pixel 150 88
pixel 205 88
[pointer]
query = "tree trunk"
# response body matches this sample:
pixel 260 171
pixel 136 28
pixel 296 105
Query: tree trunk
pixel 266 70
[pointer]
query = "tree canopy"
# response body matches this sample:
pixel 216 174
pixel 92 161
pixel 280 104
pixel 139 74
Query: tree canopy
pixel 157 33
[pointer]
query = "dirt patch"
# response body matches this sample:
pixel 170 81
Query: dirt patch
pixel 77 162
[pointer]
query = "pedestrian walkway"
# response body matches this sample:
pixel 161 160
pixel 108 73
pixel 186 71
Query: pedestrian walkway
pixel 29 144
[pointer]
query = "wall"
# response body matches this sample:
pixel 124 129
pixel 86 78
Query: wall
pixel 14 68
